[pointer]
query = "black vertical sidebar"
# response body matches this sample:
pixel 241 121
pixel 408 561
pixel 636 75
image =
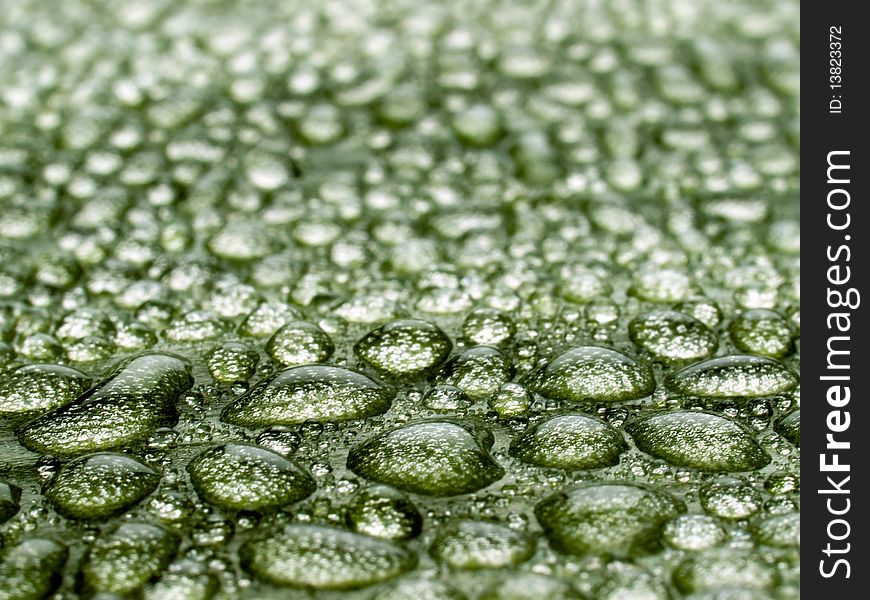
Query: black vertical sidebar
pixel 835 377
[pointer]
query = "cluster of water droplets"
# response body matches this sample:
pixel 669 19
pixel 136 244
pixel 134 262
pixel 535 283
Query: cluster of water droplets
pixel 399 299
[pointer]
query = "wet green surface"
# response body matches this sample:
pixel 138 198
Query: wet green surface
pixel 545 254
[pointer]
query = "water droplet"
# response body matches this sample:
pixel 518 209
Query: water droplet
pixel 570 442
pixel 789 427
pixel 298 343
pixel 481 545
pixel 320 557
pixel 478 372
pixel 477 125
pixel 488 327
pixel 630 581
pixel 231 362
pixel 40 347
pixel 123 410
pixel 231 299
pixel 310 392
pixel 737 376
pixel 10 498
pixel 613 518
pixel 420 589
pixel 38 388
pixel 30 569
pixel 241 241
pixel 530 586
pixel 762 331
pixel 280 439
pixel 446 398
pixel 246 477
pixel 720 568
pixel 367 309
pixel 782 531
pixel 435 458
pixel 706 311
pixel 729 498
pixel 83 323
pixel 673 336
pixel 89 349
pixel 126 558
pixel 267 318
pixel 404 348
pixel 99 486
pixel 184 580
pixel 782 482
pixel 699 440
pixel 693 532
pixel 593 373
pixel 382 512
pixel 321 125
pixel 195 326
pixel 57 271
pixel 661 285
pixel 510 400
pixel 523 62
pixel 581 284
pixel 265 170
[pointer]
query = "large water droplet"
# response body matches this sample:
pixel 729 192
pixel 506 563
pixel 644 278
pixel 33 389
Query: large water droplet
pixel 30 570
pixel 419 589
pixel 570 442
pixel 100 485
pixel 446 398
pixel 721 568
pixel 729 498
pixel 10 498
pixel 246 477
pixel 265 170
pixel 661 285
pixel 488 327
pixel 267 318
pixel 436 458
pixel 673 336
pixel 699 440
pixel 781 531
pixel 310 392
pixel 184 580
pixel 477 125
pixel 693 532
pixel 404 348
pixel 530 586
pixel 478 372
pixel 32 389
pixel 298 343
pixel 481 545
pixel 241 241
pixel 319 557
pixel 510 400
pixel 383 512
pixel 789 427
pixel 581 284
pixel 123 410
pixel 231 362
pixel 593 373
pixel 606 518
pixel 737 376
pixel 762 331
pixel 126 558
pixel 628 581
